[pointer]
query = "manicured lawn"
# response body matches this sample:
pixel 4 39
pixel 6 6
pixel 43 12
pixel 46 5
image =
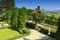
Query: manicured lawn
pixel 8 34
pixel 52 30
pixel 56 15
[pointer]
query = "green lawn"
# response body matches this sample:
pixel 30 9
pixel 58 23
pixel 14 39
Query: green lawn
pixel 52 30
pixel 8 34
pixel 56 15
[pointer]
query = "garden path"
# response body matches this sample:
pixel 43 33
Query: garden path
pixel 35 35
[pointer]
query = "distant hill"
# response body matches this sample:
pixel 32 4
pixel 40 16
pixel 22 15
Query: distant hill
pixel 56 13
pixel 51 12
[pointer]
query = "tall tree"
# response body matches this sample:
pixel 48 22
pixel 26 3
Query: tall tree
pixel 14 19
pixel 8 4
pixel 29 14
pixel 38 17
pixel 22 19
pixel 8 15
pixel 0 7
pixel 58 30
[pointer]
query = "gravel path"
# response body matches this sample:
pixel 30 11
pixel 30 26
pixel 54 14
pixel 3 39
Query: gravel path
pixel 34 35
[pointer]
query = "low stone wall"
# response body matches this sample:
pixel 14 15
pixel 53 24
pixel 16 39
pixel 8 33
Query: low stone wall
pixel 3 25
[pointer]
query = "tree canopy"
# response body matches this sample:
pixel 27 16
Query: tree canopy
pixel 8 4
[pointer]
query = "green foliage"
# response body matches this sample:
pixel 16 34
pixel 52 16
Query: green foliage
pixel 18 20
pixel 41 17
pixel 29 14
pixel 30 17
pixel 14 19
pixel 51 20
pixel 8 15
pixel 56 15
pixel 29 11
pixel 8 4
pixel 22 19
pixel 38 17
pixel 58 30
pixel 59 23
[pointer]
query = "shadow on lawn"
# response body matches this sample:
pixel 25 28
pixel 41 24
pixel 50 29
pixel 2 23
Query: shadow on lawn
pixel 14 28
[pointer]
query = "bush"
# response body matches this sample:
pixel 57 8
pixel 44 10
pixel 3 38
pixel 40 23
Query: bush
pixel 58 30
pixel 8 15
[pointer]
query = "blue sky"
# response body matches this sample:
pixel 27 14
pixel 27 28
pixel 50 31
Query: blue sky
pixel 48 5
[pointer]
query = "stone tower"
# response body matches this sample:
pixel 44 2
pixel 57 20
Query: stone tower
pixel 38 9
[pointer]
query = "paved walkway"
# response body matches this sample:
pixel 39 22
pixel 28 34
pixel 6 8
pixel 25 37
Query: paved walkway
pixel 34 35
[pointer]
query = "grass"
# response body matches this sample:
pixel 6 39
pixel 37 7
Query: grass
pixel 52 30
pixel 8 34
pixel 56 15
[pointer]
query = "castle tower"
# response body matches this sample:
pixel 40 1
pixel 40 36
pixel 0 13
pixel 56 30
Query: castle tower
pixel 38 9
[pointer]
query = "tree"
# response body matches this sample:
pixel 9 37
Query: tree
pixel 22 20
pixel 29 14
pixel 58 30
pixel 51 20
pixel 0 7
pixel 38 17
pixel 8 4
pixel 8 15
pixel 48 19
pixel 14 19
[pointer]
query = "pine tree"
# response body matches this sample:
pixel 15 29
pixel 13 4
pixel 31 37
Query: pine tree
pixel 22 19
pixel 58 30
pixel 14 19
pixel 8 15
